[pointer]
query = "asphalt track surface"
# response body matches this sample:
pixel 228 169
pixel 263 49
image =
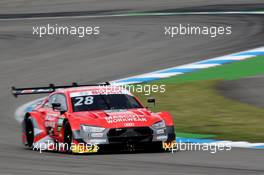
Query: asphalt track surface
pixel 40 6
pixel 247 90
pixel 127 46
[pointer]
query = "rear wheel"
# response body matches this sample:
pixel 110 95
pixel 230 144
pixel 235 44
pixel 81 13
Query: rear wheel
pixel 29 132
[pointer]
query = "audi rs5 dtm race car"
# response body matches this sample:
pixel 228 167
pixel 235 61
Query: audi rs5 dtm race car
pixel 92 118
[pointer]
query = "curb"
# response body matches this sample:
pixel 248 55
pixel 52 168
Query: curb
pixel 192 67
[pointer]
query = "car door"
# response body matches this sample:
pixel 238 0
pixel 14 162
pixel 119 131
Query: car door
pixel 53 118
pixel 49 115
pixel 61 99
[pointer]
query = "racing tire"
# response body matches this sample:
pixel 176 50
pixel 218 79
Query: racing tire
pixel 68 137
pixel 29 130
pixel 156 147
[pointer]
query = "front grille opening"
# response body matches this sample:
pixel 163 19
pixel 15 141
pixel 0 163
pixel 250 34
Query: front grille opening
pixel 124 135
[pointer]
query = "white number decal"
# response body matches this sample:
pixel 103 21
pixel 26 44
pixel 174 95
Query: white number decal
pixel 84 101
pixel 88 100
pixel 79 102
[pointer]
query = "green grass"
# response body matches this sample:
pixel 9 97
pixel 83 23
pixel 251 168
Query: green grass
pixel 196 136
pixel 197 107
pixel 236 70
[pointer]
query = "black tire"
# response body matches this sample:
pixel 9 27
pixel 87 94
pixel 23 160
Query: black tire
pixel 67 136
pixel 29 132
pixel 156 147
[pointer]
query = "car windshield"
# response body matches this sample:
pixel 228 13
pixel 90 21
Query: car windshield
pixel 104 102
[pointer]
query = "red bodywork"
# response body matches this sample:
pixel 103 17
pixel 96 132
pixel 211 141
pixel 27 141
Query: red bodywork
pixel 49 123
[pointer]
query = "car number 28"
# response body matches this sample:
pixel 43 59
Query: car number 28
pixel 88 100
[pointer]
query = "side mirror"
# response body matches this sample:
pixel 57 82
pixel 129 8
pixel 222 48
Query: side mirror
pixel 152 100
pixel 57 107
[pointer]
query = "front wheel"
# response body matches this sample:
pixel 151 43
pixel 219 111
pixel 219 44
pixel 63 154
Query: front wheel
pixel 68 136
pixel 156 147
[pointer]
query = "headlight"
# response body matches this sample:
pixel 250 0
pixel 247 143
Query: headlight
pixel 159 125
pixel 90 129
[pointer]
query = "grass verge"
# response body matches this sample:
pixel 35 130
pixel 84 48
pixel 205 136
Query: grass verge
pixel 198 108
pixel 236 70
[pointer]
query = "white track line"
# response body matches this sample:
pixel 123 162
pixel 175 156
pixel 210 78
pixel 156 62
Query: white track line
pixel 137 15
pixel 195 65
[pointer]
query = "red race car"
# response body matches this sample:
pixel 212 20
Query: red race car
pixel 92 118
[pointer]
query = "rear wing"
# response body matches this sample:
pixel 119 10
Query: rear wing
pixel 49 89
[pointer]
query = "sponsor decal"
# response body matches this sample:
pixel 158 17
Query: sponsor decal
pixel 27 91
pixel 122 118
pixel 100 91
pixel 50 120
pixel 35 90
pixel 84 148
pixel 129 124
pixel 59 124
pixel 50 124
